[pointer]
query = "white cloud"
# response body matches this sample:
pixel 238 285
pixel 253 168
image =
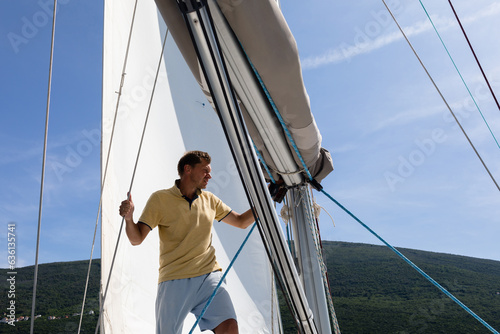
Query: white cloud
pixel 363 43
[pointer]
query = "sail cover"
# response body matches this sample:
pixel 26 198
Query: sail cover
pixel 180 119
pixel 267 41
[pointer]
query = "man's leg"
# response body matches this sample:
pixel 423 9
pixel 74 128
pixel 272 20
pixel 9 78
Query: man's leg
pixel 229 326
pixel 174 301
pixel 169 316
pixel 220 315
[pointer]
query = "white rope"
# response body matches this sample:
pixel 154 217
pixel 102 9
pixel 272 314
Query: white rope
pixel 317 210
pixel 133 177
pixel 35 278
pixel 285 214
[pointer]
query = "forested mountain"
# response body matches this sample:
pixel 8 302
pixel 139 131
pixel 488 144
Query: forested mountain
pixel 374 291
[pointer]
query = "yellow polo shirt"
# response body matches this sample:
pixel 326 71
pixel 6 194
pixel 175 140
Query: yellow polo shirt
pixel 185 230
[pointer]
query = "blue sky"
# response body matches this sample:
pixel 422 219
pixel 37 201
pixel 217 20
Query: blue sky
pixel 401 164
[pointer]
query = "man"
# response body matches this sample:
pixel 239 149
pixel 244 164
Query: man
pixel 188 270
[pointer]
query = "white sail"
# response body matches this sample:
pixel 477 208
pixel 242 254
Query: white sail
pixel 178 121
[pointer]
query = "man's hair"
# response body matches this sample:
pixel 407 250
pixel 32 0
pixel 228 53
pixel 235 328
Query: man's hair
pixel 192 158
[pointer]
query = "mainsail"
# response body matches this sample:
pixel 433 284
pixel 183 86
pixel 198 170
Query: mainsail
pixel 180 119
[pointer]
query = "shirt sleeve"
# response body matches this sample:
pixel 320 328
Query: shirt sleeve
pixel 151 212
pixel 221 209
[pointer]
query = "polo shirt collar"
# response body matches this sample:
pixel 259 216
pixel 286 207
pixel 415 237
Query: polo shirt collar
pixel 178 192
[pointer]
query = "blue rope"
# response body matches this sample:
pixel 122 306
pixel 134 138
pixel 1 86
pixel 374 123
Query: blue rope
pixel 263 162
pixel 430 279
pixel 278 115
pixel 460 74
pixel 209 301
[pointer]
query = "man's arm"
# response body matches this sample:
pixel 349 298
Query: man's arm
pixel 136 233
pixel 239 220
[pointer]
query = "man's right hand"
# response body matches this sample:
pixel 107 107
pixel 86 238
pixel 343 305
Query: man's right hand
pixel 127 208
pixel 136 233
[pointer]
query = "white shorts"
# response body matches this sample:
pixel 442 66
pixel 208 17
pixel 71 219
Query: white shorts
pixel 177 298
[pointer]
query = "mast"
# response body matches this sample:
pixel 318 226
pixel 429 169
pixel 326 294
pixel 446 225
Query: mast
pixel 223 62
pixel 308 258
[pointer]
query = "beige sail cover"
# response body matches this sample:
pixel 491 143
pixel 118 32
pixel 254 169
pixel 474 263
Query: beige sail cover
pixel 268 42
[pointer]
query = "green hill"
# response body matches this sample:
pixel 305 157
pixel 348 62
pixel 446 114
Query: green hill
pixel 374 291
pixel 60 291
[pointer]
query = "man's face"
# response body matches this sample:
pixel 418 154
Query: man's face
pixel 200 174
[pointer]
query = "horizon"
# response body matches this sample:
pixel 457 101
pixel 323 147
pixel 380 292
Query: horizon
pixel 345 242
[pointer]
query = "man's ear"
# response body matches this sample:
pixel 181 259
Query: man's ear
pixel 187 168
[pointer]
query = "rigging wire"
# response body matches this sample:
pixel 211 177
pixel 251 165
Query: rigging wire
pixel 42 182
pixel 458 71
pixel 103 181
pixel 442 97
pixel 420 271
pixel 475 56
pixel 134 171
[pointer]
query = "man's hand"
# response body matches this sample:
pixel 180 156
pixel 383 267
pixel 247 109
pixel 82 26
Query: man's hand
pixel 127 208
pixel 136 233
